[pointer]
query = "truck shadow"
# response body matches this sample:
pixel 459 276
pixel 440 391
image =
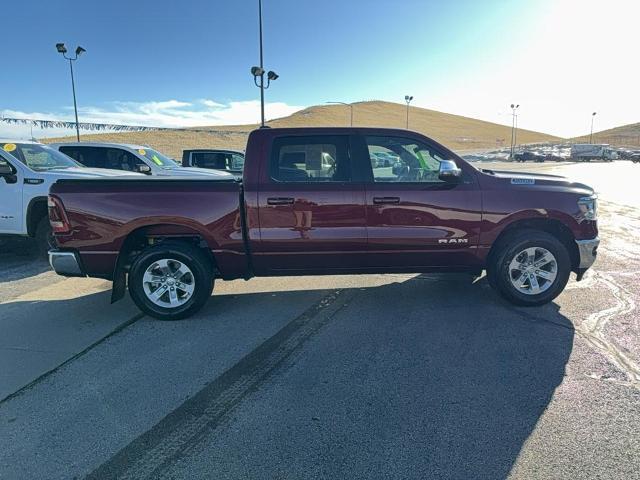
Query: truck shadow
pixel 432 377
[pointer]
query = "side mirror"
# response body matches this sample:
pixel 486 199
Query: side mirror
pixel 146 169
pixel 6 172
pixel 449 171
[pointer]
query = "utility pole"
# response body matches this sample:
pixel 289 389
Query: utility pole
pixel 348 105
pixel 258 72
pixel 408 98
pixel 79 51
pixel 513 127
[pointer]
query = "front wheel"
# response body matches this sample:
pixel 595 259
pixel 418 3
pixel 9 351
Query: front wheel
pixel 530 268
pixel 171 281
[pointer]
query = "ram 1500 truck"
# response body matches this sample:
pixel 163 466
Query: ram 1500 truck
pixel 312 202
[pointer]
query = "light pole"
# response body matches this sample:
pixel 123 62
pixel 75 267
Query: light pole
pixel 259 71
pixel 513 127
pixel 408 98
pixel 79 51
pixel 593 115
pixel 348 105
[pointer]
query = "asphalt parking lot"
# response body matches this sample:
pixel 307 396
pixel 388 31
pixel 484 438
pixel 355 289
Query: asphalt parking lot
pixel 373 376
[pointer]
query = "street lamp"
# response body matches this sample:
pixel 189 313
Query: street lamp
pixel 591 136
pixel 258 72
pixel 79 51
pixel 513 127
pixel 348 105
pixel 408 98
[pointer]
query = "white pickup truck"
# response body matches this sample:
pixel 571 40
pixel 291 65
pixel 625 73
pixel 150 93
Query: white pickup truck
pixel 27 170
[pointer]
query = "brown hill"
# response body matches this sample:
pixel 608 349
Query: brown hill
pixel 624 136
pixel 456 132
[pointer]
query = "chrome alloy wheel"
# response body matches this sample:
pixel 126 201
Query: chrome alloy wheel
pixel 533 270
pixel 168 283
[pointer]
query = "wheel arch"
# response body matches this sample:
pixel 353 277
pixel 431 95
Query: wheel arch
pixel 552 226
pixel 151 235
pixel 36 209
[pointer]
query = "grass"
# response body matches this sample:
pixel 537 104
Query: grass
pixel 456 132
pixel 626 135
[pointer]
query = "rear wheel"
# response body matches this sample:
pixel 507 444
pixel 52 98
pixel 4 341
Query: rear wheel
pixel 530 268
pixel 171 281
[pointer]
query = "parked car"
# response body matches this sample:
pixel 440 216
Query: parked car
pixel 635 157
pixel 528 156
pixel 585 152
pixel 384 159
pixel 170 238
pixel 554 157
pixel 130 158
pixel 27 170
pixel 231 161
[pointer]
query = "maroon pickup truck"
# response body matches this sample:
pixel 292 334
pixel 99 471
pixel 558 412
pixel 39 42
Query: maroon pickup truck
pixel 316 201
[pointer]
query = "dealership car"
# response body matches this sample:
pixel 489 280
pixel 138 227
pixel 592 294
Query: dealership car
pixel 130 158
pixel 310 203
pixel 27 170
pixel 231 161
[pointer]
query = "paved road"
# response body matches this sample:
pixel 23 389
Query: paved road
pixel 376 376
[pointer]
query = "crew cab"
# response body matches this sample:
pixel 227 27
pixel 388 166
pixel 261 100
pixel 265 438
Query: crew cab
pixel 129 158
pixel 312 202
pixel 231 161
pixel 27 170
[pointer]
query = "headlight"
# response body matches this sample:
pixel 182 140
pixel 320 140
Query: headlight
pixel 589 207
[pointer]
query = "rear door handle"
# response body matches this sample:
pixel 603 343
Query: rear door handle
pixel 386 200
pixel 280 201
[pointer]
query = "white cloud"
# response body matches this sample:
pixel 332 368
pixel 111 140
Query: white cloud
pixel 168 113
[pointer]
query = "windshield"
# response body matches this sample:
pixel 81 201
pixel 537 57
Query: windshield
pixel 158 158
pixel 39 157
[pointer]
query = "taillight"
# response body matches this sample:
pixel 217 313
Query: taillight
pixel 57 216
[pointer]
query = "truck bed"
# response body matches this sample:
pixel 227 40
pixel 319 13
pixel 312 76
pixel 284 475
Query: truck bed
pixel 103 214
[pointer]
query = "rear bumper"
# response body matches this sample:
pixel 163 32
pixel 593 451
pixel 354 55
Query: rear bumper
pixel 66 263
pixel 587 250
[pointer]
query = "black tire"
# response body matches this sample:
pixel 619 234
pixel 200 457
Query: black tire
pixel 201 272
pixel 44 240
pixel 499 275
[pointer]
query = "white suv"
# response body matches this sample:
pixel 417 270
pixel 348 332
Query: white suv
pixel 27 170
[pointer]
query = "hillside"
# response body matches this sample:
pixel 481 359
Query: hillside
pixel 626 135
pixel 457 132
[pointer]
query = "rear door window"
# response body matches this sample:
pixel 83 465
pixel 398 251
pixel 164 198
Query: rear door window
pixel 310 159
pixel 88 156
pixel 214 160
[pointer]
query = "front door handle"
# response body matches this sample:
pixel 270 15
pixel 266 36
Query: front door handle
pixel 386 200
pixel 280 201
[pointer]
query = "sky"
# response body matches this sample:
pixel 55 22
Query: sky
pixel 187 63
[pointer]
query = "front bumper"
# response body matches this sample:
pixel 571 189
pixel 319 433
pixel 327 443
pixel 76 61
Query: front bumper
pixel 66 263
pixel 587 251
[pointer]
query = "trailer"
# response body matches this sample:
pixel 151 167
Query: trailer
pixel 585 152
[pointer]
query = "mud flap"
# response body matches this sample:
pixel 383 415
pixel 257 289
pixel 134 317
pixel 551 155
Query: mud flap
pixel 119 284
